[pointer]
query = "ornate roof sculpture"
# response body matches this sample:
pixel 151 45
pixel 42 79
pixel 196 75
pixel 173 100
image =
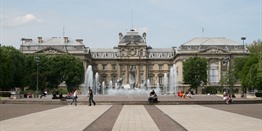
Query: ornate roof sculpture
pixel 54 45
pixel 132 37
pixel 132 46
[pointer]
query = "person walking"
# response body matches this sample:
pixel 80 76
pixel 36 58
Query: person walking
pixel 91 95
pixel 74 98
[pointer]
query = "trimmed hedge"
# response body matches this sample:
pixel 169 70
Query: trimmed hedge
pixel 5 94
pixel 258 94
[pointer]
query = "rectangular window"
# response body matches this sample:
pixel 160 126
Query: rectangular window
pixel 213 75
pixel 104 79
pixel 114 79
pixel 160 67
pixel 113 67
pixel 123 77
pixel 169 66
pixel 123 67
pixel 151 80
pixel 104 67
pixel 141 67
pixel 142 78
pixel 151 66
pixel 160 80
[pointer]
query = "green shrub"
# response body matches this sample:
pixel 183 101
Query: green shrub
pixel 210 90
pixel 258 94
pixel 62 90
pixel 5 94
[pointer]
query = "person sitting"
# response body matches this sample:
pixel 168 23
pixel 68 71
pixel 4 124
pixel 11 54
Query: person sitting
pixel 227 98
pixel 181 94
pixel 44 94
pixel 69 96
pixel 189 94
pixel 152 97
pixel 61 97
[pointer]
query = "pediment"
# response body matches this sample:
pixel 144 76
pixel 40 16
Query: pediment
pixel 132 44
pixel 213 50
pixel 50 50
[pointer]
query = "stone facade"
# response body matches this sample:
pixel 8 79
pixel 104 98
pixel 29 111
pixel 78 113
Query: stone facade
pixel 146 62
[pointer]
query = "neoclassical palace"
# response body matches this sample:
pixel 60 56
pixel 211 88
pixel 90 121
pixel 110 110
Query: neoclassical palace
pixel 148 62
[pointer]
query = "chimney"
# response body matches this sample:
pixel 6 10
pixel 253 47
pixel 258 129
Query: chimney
pixel 26 40
pixel 79 41
pixel 66 40
pixel 40 39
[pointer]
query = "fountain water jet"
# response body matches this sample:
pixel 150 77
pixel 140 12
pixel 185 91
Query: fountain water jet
pixel 165 84
pixel 88 80
pixel 96 83
pixel 103 88
pixel 172 80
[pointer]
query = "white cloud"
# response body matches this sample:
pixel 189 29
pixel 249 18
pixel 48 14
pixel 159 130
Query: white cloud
pixel 22 20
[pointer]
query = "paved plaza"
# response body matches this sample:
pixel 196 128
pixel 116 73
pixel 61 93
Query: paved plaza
pixel 132 117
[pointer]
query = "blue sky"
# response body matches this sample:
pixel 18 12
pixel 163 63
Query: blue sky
pixel 168 23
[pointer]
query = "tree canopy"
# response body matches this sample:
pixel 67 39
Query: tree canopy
pixel 19 70
pixel 255 47
pixel 11 68
pixel 249 69
pixel 195 71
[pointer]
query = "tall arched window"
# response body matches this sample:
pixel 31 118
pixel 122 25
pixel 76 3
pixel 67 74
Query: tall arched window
pixel 213 73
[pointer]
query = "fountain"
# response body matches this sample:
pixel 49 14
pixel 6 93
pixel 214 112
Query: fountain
pixel 129 89
pixel 103 88
pixel 172 80
pixel 148 84
pixel 88 80
pixel 165 83
pixel 96 83
pixel 132 80
pixel 110 85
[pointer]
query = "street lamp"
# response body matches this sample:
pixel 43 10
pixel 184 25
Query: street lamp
pixel 243 39
pixel 37 59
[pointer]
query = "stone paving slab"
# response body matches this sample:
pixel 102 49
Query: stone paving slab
pixel 163 121
pixel 74 118
pixel 200 118
pixel 106 121
pixel 8 111
pixel 252 110
pixel 134 118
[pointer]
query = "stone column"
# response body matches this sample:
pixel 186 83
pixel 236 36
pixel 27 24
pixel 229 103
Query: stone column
pixel 127 74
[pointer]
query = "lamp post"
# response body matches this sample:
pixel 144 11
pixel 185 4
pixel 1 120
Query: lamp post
pixel 243 39
pixel 37 64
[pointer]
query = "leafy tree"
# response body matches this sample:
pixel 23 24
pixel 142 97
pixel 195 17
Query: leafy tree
pixel 195 71
pixel 11 68
pixel 1 68
pixel 249 69
pixel 73 71
pixel 31 68
pixel 255 47
pixel 53 70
